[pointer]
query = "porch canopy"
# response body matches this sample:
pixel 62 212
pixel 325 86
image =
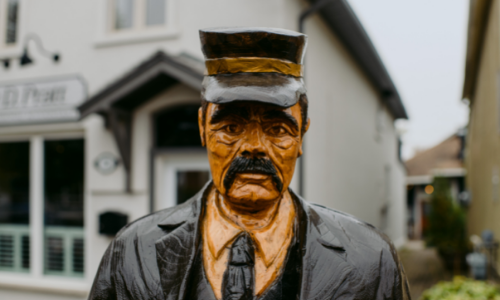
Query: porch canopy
pixel 117 101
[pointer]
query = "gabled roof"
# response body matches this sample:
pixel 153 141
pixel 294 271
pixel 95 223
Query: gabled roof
pixel 446 155
pixel 116 101
pixel 342 20
pixel 143 82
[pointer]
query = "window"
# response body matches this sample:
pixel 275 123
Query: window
pixel 41 207
pixel 178 127
pixel 182 163
pixel 155 12
pixel 12 22
pixel 63 217
pixel 14 207
pixel 190 182
pixel 9 23
pixel 138 14
pixel 498 100
pixel 124 14
pixel 386 198
pixel 136 21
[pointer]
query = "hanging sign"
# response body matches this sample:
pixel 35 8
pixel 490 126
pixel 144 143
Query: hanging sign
pixel 41 101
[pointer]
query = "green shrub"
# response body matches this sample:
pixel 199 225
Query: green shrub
pixel 447 226
pixel 462 288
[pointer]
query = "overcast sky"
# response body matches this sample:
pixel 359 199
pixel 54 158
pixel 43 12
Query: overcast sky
pixel 423 45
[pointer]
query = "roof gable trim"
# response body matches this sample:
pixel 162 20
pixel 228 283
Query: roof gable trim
pixel 159 64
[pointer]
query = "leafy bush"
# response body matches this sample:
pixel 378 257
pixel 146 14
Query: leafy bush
pixel 447 226
pixel 462 288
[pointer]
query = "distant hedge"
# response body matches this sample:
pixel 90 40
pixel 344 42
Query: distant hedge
pixel 462 288
pixel 447 226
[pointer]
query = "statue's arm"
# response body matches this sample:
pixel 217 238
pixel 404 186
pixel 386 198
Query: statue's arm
pixel 394 281
pixel 404 280
pixel 103 287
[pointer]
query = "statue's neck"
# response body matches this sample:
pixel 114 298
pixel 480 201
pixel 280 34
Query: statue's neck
pixel 248 219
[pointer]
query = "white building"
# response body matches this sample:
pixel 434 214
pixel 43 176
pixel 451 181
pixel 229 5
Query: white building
pixel 134 69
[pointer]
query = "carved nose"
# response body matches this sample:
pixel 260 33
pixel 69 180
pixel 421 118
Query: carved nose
pixel 253 154
pixel 253 146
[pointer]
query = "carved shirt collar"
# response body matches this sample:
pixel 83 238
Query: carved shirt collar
pixel 269 239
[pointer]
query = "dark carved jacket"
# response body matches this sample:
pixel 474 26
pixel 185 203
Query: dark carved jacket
pixel 343 258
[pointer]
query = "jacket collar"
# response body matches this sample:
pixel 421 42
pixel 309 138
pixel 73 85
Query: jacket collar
pixel 325 268
pixel 175 252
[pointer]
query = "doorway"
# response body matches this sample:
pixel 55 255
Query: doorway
pixel 184 174
pixel 181 164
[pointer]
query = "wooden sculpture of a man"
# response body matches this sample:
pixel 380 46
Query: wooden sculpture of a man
pixel 246 235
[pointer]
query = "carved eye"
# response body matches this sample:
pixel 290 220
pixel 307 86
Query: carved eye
pixel 277 130
pixel 233 128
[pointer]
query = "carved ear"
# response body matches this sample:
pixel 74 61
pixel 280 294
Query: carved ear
pixel 202 127
pixel 307 126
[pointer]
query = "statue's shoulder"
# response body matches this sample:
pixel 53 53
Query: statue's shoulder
pixel 150 227
pixel 353 231
pixel 371 254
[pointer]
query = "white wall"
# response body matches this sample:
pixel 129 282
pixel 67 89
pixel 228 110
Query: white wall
pixel 351 159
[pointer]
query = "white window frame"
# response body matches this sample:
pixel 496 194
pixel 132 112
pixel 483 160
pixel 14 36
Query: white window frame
pixel 108 36
pixel 167 165
pixel 35 280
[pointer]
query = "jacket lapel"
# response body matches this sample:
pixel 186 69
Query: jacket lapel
pixel 325 269
pixel 176 251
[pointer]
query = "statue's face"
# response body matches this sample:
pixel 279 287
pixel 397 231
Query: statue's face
pixel 252 149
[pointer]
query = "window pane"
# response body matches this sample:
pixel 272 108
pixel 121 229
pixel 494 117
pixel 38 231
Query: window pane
pixel 55 254
pixel 124 14
pixel 189 183
pixel 78 256
pixel 178 127
pixel 63 173
pixel 155 12
pixel 14 206
pixel 12 18
pixel 64 183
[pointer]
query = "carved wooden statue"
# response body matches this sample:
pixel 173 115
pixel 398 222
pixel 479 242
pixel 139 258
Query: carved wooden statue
pixel 246 235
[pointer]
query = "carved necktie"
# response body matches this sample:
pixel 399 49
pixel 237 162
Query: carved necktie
pixel 238 280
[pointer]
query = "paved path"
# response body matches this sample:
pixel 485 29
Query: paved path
pixel 422 266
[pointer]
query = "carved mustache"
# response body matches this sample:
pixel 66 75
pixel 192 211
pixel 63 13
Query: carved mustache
pixel 251 165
